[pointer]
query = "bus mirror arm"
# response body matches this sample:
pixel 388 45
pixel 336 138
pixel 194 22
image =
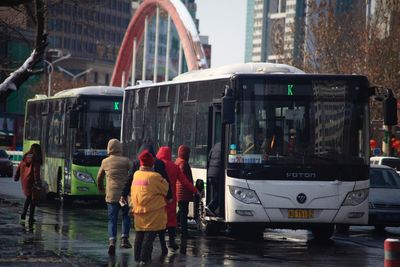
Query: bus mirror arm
pixel 228 106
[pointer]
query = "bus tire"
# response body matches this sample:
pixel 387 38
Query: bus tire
pixel 210 228
pixel 379 228
pixel 247 231
pixel 322 232
pixel 342 228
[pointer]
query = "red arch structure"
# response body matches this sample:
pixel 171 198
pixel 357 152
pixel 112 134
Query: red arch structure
pixel 184 24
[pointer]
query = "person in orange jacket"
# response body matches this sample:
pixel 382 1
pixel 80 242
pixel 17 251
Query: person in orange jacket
pixel 148 192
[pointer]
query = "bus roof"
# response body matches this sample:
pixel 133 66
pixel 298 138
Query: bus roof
pixel 243 68
pixel 225 72
pixel 101 90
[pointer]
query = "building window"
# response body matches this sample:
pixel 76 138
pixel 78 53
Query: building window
pixel 277 6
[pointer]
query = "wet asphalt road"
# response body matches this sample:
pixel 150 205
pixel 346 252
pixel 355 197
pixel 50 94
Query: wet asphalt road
pixel 79 232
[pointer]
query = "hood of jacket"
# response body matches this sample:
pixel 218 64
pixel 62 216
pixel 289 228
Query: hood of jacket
pixel 184 152
pixel 164 153
pixel 114 147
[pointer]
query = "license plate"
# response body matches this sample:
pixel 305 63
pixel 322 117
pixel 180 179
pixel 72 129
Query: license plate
pixel 301 214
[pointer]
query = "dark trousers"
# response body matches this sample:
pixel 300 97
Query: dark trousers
pixel 183 214
pixel 161 236
pixel 28 203
pixel 144 245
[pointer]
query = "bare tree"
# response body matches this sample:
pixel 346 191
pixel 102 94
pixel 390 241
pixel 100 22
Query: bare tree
pixel 36 11
pixel 349 42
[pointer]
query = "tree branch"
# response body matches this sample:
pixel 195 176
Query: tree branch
pixel 19 76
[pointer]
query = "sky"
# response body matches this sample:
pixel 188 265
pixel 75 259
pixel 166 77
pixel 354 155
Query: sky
pixel 224 21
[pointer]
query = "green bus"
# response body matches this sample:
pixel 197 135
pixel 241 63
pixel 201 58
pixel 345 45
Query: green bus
pixel 73 128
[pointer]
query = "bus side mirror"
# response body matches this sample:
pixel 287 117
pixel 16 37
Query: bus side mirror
pixel 390 109
pixel 228 106
pixel 73 119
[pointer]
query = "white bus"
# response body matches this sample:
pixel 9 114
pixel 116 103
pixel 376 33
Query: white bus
pixel 295 146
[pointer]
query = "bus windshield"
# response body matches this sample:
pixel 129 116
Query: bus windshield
pixel 306 122
pixel 102 120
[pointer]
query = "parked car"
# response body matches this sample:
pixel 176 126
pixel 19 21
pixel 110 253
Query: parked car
pixel 384 197
pixel 6 165
pixel 388 161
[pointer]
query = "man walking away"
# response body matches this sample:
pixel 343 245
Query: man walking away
pixel 115 168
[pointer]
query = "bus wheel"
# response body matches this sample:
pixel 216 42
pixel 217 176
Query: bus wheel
pixel 322 232
pixel 342 228
pixel 247 231
pixel 210 228
pixel 379 228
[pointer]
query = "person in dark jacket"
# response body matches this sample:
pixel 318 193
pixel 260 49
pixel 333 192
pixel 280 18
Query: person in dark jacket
pixel 184 195
pixel 159 167
pixel 214 169
pixel 29 172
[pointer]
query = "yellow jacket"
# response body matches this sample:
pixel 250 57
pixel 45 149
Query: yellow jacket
pixel 148 192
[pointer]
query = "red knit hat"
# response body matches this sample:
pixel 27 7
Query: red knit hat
pixel 146 159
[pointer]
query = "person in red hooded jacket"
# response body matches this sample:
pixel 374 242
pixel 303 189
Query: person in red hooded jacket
pixel 175 175
pixel 183 195
pixel 29 171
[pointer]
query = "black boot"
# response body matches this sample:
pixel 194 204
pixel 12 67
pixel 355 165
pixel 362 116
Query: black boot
pixel 32 214
pixel 28 201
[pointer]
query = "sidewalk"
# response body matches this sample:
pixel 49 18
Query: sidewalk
pixel 22 245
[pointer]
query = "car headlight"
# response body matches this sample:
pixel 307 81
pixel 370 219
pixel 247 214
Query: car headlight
pixel 354 198
pixel 244 195
pixel 84 177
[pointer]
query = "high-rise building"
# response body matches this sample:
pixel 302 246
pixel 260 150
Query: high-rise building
pixel 249 31
pixel 273 24
pixel 278 28
pixel 91 32
pixel 174 66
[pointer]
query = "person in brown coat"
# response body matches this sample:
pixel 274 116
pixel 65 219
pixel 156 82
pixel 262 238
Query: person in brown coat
pixel 29 172
pixel 184 195
pixel 115 168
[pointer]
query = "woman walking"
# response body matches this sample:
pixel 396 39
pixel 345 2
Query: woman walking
pixel 29 172
pixel 148 193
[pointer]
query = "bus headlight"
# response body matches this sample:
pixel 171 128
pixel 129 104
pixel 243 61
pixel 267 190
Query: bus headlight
pixel 84 177
pixel 244 195
pixel 355 197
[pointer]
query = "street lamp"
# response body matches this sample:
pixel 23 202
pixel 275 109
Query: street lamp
pixel 74 76
pixel 50 70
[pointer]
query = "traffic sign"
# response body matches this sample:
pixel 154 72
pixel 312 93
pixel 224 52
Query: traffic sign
pixel 376 151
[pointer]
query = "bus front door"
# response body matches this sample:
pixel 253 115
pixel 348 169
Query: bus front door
pixel 216 185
